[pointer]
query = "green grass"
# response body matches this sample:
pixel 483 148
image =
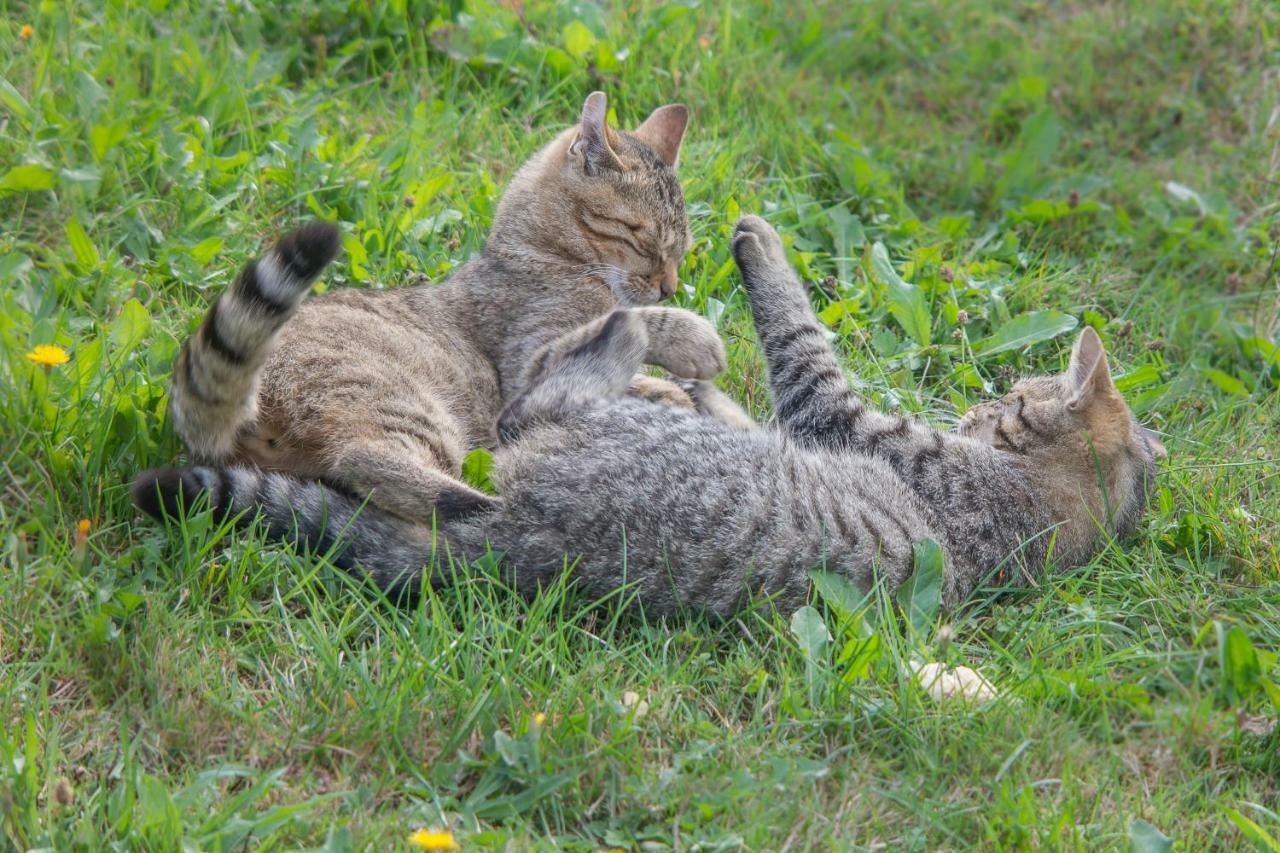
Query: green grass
pixel 1113 161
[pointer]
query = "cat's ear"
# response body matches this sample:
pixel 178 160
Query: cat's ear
pixel 1154 442
pixel 663 131
pixel 592 145
pixel 1088 375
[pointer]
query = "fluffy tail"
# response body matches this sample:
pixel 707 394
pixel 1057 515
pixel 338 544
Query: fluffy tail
pixel 358 537
pixel 215 378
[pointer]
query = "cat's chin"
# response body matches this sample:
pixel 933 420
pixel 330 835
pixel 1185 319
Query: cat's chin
pixel 629 297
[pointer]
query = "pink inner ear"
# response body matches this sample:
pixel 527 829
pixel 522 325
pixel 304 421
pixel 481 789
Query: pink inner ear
pixel 1157 446
pixel 593 134
pixel 595 110
pixel 1088 371
pixel 1084 357
pixel 663 131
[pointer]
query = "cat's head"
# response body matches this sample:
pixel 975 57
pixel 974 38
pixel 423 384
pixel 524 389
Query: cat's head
pixel 1077 437
pixel 604 202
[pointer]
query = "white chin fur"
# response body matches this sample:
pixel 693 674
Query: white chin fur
pixel 617 281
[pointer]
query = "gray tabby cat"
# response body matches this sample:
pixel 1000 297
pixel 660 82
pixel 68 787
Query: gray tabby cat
pixel 383 392
pixel 691 513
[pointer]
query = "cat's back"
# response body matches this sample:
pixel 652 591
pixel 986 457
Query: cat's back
pixel 367 315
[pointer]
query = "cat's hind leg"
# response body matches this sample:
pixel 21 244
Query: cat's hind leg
pixel 405 483
pixel 600 365
pixel 404 455
pixel 679 341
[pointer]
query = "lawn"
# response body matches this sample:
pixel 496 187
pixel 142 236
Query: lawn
pixel 1011 170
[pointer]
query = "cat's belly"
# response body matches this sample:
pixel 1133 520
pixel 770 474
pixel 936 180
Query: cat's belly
pixel 348 367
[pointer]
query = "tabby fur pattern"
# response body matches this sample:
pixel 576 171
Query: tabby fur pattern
pixel 687 512
pixel 383 392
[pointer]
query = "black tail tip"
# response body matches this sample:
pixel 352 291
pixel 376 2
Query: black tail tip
pixel 310 249
pixel 165 492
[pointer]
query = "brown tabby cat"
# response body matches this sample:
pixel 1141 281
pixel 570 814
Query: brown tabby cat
pixel 383 392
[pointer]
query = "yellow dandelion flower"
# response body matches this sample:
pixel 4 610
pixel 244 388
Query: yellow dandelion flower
pixel 82 531
pixel 433 839
pixel 539 718
pixel 47 355
pixel 26 32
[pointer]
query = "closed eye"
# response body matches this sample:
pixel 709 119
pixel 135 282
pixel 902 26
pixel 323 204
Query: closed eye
pixel 1020 414
pixel 1004 441
pixel 615 229
pixel 629 224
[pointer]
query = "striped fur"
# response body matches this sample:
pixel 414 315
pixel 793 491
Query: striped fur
pixel 688 512
pixel 382 393
pixel 216 376
pixel 318 517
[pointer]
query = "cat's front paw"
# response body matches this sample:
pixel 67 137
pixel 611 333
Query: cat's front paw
pixel 758 249
pixel 685 344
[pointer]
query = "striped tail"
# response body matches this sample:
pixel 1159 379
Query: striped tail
pixel 215 379
pixel 357 536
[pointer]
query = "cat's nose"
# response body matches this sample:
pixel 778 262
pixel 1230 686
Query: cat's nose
pixel 667 285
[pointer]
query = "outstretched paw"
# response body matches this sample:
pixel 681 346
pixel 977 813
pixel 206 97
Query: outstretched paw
pixel 685 344
pixel 768 238
pixel 757 247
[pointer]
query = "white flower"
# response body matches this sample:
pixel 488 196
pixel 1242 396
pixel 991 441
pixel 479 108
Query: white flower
pixel 961 682
pixel 631 699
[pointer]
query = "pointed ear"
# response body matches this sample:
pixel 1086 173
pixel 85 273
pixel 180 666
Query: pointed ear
pixel 592 144
pixel 1154 442
pixel 663 131
pixel 1088 374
